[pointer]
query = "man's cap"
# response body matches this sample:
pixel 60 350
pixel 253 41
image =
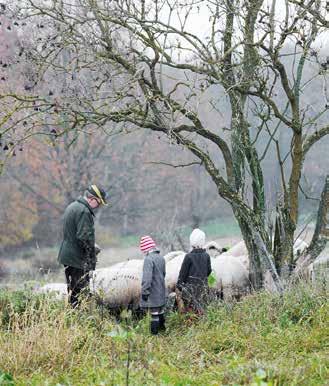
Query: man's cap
pixel 98 192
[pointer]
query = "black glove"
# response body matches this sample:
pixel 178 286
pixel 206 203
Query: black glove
pixel 145 298
pixel 89 266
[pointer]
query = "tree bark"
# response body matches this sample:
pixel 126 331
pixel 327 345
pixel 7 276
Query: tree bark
pixel 259 246
pixel 321 232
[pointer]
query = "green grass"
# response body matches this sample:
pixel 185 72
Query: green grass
pixel 262 340
pixel 129 241
pixel 216 229
pixel 220 229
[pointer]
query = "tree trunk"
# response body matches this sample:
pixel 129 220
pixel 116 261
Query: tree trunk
pixel 321 232
pixel 258 246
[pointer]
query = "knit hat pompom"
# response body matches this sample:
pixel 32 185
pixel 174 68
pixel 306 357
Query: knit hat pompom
pixel 146 244
pixel 197 238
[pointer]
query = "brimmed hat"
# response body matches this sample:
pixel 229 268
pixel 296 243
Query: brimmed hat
pixel 146 244
pixel 98 192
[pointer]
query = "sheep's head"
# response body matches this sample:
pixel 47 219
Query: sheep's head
pixel 214 249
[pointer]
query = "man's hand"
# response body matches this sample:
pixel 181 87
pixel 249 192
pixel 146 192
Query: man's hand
pixel 90 255
pixel 89 265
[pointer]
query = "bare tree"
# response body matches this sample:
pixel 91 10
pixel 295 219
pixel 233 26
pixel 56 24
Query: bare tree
pixel 147 64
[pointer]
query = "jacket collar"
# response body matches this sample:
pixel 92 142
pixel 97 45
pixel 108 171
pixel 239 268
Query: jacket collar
pixel 154 250
pixel 197 250
pixel 85 203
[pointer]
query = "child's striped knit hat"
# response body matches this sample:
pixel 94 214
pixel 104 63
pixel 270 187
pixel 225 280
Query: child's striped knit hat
pixel 146 244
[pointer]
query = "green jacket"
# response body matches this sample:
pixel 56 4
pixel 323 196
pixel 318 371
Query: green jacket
pixel 78 246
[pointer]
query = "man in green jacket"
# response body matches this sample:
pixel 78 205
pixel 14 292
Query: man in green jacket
pixel 77 252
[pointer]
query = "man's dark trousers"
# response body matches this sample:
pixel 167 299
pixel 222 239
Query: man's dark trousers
pixel 77 283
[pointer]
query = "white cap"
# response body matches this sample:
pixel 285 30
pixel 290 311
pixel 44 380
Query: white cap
pixel 197 238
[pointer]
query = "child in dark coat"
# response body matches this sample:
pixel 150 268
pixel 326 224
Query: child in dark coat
pixel 193 276
pixel 153 294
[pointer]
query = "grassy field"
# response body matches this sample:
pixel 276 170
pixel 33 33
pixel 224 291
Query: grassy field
pixel 262 340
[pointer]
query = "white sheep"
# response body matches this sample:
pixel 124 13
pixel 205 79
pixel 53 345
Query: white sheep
pixel 232 278
pixel 299 246
pixel 318 271
pixel 238 249
pixel 58 289
pixel 171 255
pixel 172 270
pixel 214 249
pixel 118 285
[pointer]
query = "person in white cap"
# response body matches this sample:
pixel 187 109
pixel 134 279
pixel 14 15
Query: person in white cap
pixel 192 281
pixel 153 294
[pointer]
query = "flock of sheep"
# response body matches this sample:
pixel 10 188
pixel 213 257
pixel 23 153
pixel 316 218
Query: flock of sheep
pixel 120 284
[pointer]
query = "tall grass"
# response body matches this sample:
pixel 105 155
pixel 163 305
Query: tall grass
pixel 262 340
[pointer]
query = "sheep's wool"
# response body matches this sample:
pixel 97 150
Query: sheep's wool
pixel 197 238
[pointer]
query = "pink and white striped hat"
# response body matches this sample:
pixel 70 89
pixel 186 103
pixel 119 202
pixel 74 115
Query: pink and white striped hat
pixel 146 244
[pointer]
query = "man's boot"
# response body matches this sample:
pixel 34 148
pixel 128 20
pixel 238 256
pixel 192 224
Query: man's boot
pixel 162 326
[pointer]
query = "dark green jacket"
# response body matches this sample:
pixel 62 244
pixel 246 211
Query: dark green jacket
pixel 78 246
